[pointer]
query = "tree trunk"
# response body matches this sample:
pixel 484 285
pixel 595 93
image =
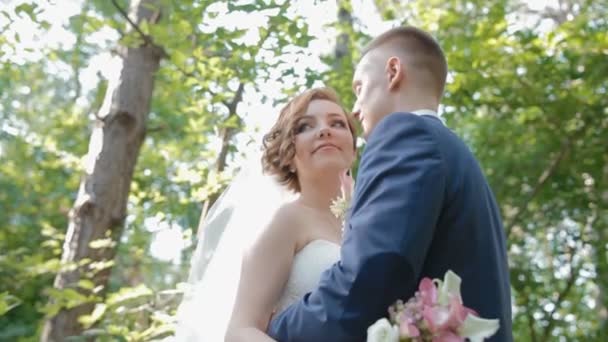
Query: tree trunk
pixel 100 209
pixel 345 22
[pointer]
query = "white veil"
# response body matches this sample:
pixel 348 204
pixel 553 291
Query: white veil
pixel 235 219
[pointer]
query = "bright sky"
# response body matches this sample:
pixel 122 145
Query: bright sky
pixel 169 241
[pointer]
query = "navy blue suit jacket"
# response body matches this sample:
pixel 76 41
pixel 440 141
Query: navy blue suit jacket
pixel 421 207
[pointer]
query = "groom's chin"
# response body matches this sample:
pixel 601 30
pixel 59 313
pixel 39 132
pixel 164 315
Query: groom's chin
pixel 366 129
pixel 365 133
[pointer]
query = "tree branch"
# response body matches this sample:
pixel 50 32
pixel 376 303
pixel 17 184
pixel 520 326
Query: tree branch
pixel 530 319
pixel 214 94
pixel 561 296
pixel 569 283
pixel 155 129
pixel 144 36
pixel 547 173
pixel 228 132
pixel 238 97
pixel 147 39
pixel 542 180
pixel 192 74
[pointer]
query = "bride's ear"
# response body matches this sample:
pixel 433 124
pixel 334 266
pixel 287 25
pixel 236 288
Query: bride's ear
pixel 395 73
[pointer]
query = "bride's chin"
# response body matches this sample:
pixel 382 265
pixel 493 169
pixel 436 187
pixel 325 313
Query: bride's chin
pixel 326 169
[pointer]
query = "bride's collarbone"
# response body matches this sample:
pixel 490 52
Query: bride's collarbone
pixel 309 224
pixel 315 229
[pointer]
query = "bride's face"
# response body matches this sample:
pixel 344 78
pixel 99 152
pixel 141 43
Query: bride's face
pixel 323 140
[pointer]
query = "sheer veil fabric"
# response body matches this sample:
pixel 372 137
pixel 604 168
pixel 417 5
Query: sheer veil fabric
pixel 233 222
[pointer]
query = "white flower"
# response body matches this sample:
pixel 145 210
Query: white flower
pixel 477 329
pixel 448 288
pixel 383 331
pixel 339 207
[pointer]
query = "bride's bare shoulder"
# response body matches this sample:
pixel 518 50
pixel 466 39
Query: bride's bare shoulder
pixel 286 224
pixel 288 217
pixel 289 210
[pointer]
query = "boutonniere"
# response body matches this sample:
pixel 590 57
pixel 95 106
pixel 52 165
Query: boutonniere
pixel 340 206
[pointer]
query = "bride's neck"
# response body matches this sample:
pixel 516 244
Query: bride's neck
pixel 320 192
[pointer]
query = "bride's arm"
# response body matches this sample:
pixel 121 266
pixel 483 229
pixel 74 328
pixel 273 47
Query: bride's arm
pixel 265 270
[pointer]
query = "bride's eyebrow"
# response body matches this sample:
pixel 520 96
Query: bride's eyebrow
pixel 314 117
pixel 305 118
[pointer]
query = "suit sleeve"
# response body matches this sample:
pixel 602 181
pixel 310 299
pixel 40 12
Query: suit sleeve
pixel 397 202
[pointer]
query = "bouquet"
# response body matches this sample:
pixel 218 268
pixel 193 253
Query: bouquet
pixel 436 314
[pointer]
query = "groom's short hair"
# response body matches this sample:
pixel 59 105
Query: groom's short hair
pixel 421 49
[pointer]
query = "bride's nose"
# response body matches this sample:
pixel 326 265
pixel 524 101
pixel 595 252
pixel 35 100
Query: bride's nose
pixel 324 132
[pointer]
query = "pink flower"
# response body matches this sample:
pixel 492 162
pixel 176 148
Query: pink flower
pixel 437 313
pixel 428 292
pixel 407 324
pixel 408 330
pixel 407 317
pixel 448 336
pixel 443 318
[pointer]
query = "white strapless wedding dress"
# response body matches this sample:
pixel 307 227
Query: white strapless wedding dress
pixel 197 325
pixel 308 264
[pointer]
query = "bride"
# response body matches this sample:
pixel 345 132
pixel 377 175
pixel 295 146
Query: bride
pixel 271 235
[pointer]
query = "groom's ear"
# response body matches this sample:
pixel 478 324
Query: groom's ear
pixel 395 73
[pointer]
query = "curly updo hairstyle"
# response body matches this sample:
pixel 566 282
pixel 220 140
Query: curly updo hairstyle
pixel 279 143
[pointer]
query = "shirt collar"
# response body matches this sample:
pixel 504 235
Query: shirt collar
pixel 429 112
pixel 425 112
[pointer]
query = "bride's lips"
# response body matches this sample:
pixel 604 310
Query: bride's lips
pixel 325 146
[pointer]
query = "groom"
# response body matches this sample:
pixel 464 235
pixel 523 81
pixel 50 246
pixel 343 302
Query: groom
pixel 421 205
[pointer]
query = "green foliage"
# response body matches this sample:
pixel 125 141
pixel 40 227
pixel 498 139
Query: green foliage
pixel 530 103
pixel 7 302
pixel 45 110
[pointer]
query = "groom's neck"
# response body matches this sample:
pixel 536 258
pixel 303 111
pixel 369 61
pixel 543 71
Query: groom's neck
pixel 415 100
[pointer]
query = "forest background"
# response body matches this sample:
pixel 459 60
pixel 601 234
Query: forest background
pixel 121 122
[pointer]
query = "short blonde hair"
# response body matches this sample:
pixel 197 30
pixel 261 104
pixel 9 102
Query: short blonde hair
pixel 279 143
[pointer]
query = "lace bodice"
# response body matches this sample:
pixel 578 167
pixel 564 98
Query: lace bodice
pixel 308 264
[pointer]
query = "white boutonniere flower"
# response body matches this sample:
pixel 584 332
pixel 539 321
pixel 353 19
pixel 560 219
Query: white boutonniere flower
pixel 340 206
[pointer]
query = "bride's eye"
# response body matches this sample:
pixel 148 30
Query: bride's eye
pixel 339 123
pixel 302 127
